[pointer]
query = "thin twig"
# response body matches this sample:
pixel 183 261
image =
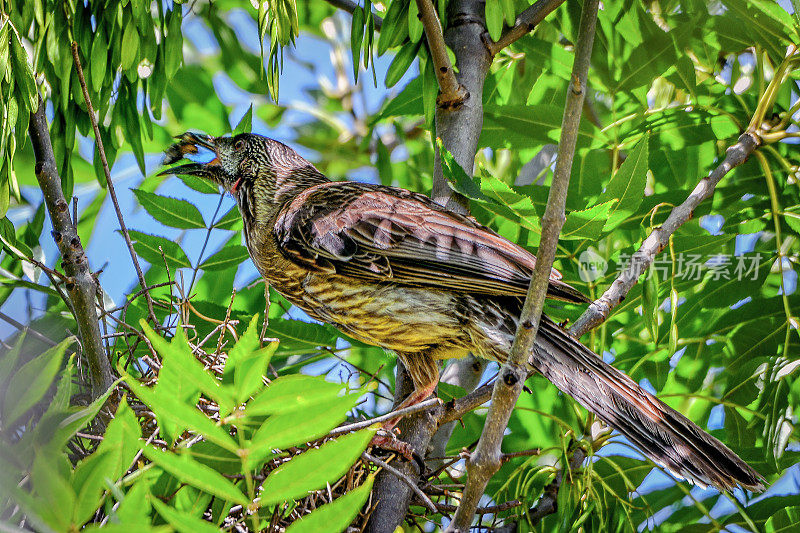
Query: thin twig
pixel 490 509
pixel 422 406
pixel 452 93
pixel 107 171
pixel 27 329
pixel 402 477
pixel 599 310
pixel 548 503
pixel 525 23
pixel 44 268
pixel 205 244
pixel 347 5
pixel 487 457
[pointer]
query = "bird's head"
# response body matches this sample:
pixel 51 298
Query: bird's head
pixel 244 164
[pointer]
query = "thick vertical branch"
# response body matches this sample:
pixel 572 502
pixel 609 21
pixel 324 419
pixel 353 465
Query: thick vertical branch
pixel 486 459
pixel 459 128
pixel 82 286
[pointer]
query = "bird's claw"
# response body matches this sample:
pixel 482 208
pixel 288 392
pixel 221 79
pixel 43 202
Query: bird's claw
pixel 392 444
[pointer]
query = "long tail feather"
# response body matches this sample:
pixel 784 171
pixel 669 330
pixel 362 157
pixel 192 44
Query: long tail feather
pixel 660 432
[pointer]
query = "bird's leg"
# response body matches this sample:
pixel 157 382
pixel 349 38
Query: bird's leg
pixel 424 372
pixel 417 396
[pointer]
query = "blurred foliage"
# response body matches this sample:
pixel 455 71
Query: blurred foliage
pixel 201 439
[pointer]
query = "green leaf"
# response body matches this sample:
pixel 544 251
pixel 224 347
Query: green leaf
pixel 298 336
pixel 337 515
pixel 395 26
pixel 414 22
pixel 98 62
pixel 31 382
pixel 292 393
pixel 230 256
pixel 587 224
pixel 89 481
pixel 150 248
pixel 199 184
pixel 457 178
pixel 494 20
pixel 177 356
pixel 247 362
pixel 56 428
pixel 408 102
pixel 130 46
pixel 314 468
pixel 651 303
pixel 170 409
pixel 530 126
pixel 509 11
pixel 401 62
pixel 299 426
pixel 245 124
pixel 181 521
pixel 120 441
pixel 231 221
pixel 23 75
pixel 430 90
pixel 184 468
pixel 627 185
pixel 9 361
pixel 357 38
pixel 170 211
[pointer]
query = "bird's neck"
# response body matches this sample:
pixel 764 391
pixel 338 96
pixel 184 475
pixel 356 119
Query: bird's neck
pixel 261 200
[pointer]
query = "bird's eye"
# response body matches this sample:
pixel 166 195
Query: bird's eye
pixel 238 145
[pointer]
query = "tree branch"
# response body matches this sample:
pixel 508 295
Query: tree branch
pixel 410 410
pixel 487 457
pixel 465 373
pixel 525 23
pixel 111 191
pixel 82 287
pixel 599 310
pixel 459 128
pixel 548 503
pixel 347 5
pixel 402 477
pixel 452 93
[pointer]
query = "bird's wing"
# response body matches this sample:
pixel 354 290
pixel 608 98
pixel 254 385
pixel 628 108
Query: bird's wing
pixel 385 233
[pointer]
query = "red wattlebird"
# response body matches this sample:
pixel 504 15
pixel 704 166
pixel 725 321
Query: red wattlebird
pixel 394 269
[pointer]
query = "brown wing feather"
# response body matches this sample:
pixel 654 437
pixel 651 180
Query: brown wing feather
pixel 377 232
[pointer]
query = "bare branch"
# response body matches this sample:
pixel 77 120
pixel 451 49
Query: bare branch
pixel 525 23
pixel 112 192
pixel 347 5
pixel 452 93
pixel 459 128
pixel 599 310
pixel 82 286
pixel 465 373
pixel 487 457
pixel 402 477
pixel 27 329
pixel 422 406
pixel 548 503
pixel 461 406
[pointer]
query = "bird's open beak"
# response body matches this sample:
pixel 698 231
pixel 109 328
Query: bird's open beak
pixel 188 143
